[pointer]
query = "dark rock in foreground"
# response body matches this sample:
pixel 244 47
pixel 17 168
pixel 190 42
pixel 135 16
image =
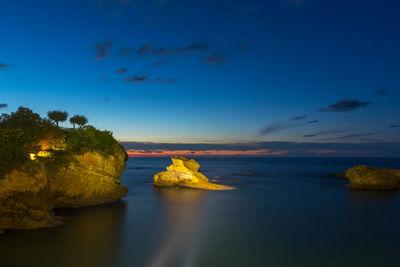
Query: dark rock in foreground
pixel 365 177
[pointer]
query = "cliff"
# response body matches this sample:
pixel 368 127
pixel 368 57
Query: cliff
pixel 28 196
pixel 185 173
pixel 365 177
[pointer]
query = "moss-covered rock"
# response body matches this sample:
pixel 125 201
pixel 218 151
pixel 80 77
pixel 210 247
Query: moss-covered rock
pixel 365 177
pixel 185 173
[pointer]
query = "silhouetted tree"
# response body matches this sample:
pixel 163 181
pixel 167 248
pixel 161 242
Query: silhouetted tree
pixel 57 116
pixel 78 119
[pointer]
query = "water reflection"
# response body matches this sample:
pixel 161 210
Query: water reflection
pixel 89 237
pixel 183 211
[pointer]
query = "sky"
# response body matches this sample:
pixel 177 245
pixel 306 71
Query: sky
pixel 272 78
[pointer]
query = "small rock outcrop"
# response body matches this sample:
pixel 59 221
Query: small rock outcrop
pixel 185 173
pixel 365 177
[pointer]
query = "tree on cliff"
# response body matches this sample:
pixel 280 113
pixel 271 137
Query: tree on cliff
pixel 57 116
pixel 79 120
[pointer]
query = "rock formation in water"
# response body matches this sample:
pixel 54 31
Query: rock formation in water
pixel 53 167
pixel 185 173
pixel 365 177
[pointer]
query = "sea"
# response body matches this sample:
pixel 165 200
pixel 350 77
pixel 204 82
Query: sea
pixel 283 212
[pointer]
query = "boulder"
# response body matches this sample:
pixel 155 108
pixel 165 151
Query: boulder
pixel 185 173
pixel 365 177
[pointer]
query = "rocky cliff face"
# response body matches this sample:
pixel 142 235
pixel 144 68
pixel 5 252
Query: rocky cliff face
pixel 365 177
pixel 28 197
pixel 185 173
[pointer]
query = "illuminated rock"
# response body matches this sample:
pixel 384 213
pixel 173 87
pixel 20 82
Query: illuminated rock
pixel 185 173
pixel 365 177
pixel 28 196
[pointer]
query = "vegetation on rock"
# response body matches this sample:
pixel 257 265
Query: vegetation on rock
pixel 79 120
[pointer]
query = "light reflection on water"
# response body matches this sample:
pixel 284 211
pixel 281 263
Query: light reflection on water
pixel 183 211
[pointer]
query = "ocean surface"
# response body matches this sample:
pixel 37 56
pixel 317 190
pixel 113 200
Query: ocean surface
pixel 284 212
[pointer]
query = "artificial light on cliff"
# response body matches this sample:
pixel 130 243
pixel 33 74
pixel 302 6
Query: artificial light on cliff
pixel 32 156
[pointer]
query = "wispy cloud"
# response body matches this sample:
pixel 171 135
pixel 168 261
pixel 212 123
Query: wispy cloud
pixel 145 78
pixel 125 52
pixel 349 136
pixel 297 118
pixel 137 79
pixel 166 51
pixel 382 91
pixel 277 127
pixel 4 66
pixel 103 49
pixel 159 63
pixel 323 133
pixel 122 70
pixel 3 106
pixel 345 105
pixel 146 48
pixel 215 59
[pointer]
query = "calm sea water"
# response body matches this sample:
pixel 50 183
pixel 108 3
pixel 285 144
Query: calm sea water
pixel 285 212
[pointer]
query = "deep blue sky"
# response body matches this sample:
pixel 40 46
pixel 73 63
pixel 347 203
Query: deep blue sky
pixel 227 71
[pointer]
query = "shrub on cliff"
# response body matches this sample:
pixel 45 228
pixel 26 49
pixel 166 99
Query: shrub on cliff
pixel 20 132
pixel 89 139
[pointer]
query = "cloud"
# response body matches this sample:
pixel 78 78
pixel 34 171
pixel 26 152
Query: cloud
pixel 137 79
pixel 215 59
pixel 195 47
pixel 329 132
pixel 146 48
pixel 166 51
pixel 351 136
pixel 345 105
pixel 103 49
pixel 125 52
pixel 3 106
pixel 145 78
pixel 297 118
pixel 4 66
pixel 287 149
pixel 162 80
pixel 122 70
pixel 382 91
pixel 277 127
pixel 394 126
pixel 159 63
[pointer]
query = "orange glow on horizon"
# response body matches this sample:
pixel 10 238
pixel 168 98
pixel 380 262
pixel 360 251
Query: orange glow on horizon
pixel 166 153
